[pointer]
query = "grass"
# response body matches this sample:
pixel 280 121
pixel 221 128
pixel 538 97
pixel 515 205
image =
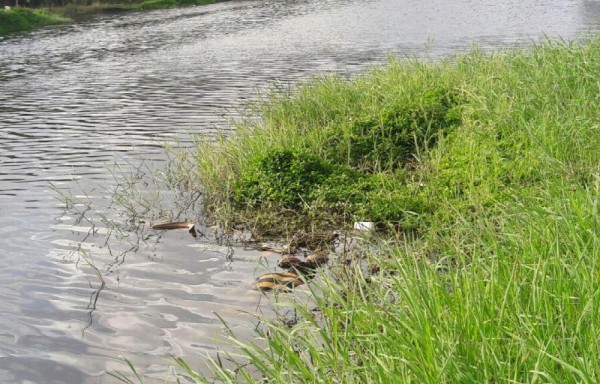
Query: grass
pixel 23 19
pixel 20 19
pixel 361 136
pixel 80 10
pixel 522 309
pixel 494 275
pixel 422 134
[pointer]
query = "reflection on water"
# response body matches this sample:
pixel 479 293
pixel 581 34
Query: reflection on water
pixel 110 91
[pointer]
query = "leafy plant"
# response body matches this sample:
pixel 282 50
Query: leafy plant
pixel 391 136
pixel 22 19
pixel 286 177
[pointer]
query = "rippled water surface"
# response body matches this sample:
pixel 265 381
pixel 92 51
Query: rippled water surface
pixel 81 102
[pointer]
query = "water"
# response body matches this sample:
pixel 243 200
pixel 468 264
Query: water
pixel 76 100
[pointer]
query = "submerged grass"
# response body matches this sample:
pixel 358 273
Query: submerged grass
pixel 501 280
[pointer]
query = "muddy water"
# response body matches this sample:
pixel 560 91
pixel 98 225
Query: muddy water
pixel 81 103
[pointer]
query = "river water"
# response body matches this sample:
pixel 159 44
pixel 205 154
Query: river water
pixel 83 102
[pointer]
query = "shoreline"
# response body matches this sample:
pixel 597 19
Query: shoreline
pixel 15 20
pixel 492 214
pixel 82 12
pixel 21 19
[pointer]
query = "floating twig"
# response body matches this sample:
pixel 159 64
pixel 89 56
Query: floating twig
pixel 191 227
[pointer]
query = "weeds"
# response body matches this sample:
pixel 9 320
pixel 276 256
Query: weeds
pixel 498 283
pixel 22 19
pixel 519 309
pixel 335 150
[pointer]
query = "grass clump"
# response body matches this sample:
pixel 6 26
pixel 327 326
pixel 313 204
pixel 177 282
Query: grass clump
pixel 283 177
pixel 302 182
pixel 335 150
pixel 499 283
pixel 23 19
pixel 522 308
pixel 516 303
pixel 389 135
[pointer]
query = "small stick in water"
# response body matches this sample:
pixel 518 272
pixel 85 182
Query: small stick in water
pixel 191 227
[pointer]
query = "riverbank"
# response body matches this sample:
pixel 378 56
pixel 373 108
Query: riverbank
pixel 81 12
pixel 487 170
pixel 23 19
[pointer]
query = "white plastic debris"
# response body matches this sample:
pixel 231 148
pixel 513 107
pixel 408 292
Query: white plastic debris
pixel 364 225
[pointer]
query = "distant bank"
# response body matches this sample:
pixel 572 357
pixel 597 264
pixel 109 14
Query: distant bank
pixel 24 19
pixel 20 19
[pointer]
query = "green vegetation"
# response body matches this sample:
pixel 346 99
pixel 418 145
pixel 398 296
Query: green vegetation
pixel 492 161
pixel 79 10
pixel 154 4
pixel 23 19
pixel 20 19
pixel 333 152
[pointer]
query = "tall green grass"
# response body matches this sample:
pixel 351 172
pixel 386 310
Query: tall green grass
pixel 518 304
pixel 501 281
pixel 510 121
pixel 361 137
pixel 22 19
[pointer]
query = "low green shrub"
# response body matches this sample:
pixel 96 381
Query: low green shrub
pixel 389 137
pixel 22 19
pixel 301 181
pixel 286 177
pixel 314 150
